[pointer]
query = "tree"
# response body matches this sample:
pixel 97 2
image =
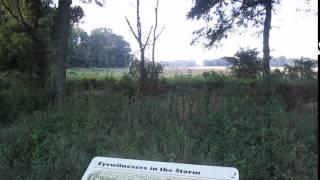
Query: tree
pixel 121 50
pixel 102 48
pixel 78 48
pixel 245 63
pixel 231 14
pixel 62 34
pixel 25 42
pixel 142 46
pixel 238 13
pixel 108 49
pixel 303 68
pixel 155 72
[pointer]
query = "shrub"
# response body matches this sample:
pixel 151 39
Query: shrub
pixel 303 69
pixel 213 80
pixel 17 102
pixel 153 72
pixel 127 84
pixel 245 63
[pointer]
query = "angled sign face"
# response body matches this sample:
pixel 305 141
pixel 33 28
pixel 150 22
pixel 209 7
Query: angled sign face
pixel 103 168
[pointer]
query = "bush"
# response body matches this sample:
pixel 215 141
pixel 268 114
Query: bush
pixel 245 63
pixel 128 85
pixel 214 80
pixel 152 71
pixel 303 69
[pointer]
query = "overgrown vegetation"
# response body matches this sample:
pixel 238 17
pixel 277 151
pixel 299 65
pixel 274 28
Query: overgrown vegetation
pixel 210 119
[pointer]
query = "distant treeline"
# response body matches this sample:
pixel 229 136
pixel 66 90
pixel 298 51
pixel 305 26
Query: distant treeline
pixel 216 62
pixel 275 62
pixel 281 61
pixel 102 48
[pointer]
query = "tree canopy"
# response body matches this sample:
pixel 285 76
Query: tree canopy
pixel 27 32
pixel 245 63
pixel 102 48
pixel 224 17
pixel 26 37
pixel 229 15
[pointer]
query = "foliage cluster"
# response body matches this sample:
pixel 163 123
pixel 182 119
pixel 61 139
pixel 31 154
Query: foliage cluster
pixel 102 48
pixel 152 73
pixel 26 38
pixel 245 63
pixel 302 69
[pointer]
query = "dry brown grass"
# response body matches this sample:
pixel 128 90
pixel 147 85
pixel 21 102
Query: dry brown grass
pixel 169 72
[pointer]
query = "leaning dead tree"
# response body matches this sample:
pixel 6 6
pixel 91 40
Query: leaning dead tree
pixel 142 46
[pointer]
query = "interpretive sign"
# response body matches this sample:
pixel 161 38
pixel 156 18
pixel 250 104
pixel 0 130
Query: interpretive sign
pixel 103 168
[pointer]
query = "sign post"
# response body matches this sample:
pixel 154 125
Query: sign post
pixel 103 168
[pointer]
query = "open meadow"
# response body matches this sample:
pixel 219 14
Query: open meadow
pixel 101 73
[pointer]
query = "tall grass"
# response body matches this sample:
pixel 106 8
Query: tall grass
pixel 210 120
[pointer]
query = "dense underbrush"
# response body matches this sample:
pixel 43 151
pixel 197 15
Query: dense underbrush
pixel 209 119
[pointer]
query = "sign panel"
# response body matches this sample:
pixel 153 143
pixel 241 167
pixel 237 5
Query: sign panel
pixel 103 168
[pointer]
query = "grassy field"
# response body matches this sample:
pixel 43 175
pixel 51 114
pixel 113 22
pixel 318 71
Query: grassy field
pixel 171 72
pixel 94 73
pixel 101 73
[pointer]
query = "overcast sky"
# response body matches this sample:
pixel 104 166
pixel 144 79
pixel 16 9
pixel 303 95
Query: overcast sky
pixel 294 33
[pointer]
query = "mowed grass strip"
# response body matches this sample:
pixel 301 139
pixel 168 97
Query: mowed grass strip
pixel 101 73
pixel 94 73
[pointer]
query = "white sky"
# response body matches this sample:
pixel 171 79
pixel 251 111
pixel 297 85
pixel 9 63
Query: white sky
pixel 294 34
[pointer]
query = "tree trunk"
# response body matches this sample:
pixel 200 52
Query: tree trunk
pixel 142 73
pixel 142 49
pixel 153 73
pixel 63 27
pixel 266 34
pixel 267 84
pixel 154 33
pixel 266 50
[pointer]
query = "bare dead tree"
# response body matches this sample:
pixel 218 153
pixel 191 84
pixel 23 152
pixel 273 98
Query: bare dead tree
pixel 155 37
pixel 142 46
